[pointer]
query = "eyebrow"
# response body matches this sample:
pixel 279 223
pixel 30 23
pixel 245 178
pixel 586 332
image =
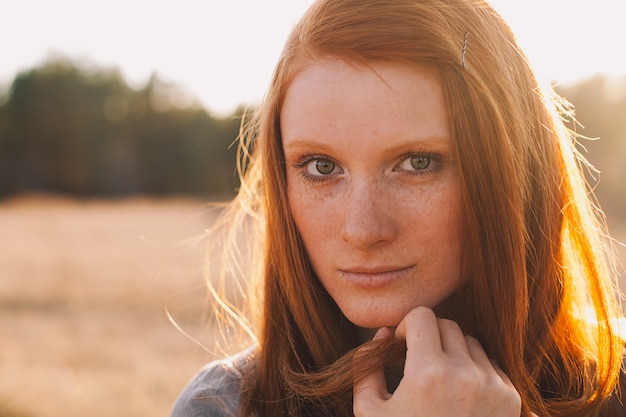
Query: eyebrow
pixel 305 143
pixel 408 143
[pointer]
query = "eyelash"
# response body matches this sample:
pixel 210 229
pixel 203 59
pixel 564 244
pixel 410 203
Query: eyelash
pixel 434 165
pixel 308 158
pixel 435 162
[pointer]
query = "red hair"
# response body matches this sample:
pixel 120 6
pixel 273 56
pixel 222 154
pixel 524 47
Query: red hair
pixel 539 294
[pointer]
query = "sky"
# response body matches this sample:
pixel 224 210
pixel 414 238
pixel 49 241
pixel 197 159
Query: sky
pixel 223 51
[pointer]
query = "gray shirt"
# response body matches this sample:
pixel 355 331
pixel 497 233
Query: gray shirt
pixel 215 391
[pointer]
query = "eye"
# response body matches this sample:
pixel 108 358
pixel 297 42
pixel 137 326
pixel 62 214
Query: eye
pixel 420 162
pixel 416 162
pixel 320 166
pixel 317 168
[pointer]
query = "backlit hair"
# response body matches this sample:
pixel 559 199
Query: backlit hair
pixel 539 294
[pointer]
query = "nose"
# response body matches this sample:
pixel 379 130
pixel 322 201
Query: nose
pixel 368 221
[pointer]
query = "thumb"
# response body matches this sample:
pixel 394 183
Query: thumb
pixel 370 389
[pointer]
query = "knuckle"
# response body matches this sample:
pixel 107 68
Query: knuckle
pixel 512 401
pixel 512 397
pixel 506 393
pixel 472 341
pixel 465 382
pixel 469 376
pixel 474 346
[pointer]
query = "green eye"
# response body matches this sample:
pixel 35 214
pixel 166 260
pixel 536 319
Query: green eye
pixel 318 167
pixel 420 162
pixel 324 167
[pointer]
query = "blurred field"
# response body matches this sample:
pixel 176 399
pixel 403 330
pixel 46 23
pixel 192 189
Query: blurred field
pixel 84 288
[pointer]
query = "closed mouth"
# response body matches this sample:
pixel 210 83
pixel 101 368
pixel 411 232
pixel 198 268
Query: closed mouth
pixel 372 278
pixel 375 270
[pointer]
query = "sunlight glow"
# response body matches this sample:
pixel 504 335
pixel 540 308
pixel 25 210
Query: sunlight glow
pixel 567 40
pixel 223 52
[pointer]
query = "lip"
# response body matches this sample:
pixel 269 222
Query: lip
pixel 374 277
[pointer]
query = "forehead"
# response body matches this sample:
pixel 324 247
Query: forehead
pixel 330 69
pixel 336 98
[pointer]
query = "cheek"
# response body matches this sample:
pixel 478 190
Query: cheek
pixel 302 213
pixel 433 226
pixel 297 204
pixel 436 213
pixel 312 211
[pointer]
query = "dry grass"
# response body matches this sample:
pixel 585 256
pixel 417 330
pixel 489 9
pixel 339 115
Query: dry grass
pixel 84 288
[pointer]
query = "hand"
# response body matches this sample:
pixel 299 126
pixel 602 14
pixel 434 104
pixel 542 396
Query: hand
pixel 446 374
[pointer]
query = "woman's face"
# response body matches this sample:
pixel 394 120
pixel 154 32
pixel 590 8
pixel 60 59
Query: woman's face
pixel 373 186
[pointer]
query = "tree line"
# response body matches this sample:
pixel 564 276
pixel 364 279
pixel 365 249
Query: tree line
pixel 84 132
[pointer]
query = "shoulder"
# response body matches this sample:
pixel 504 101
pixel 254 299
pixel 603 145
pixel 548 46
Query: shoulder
pixel 215 390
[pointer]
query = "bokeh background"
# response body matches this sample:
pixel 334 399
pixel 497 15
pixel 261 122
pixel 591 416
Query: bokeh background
pixel 117 121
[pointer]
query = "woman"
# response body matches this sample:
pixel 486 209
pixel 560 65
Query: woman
pixel 429 243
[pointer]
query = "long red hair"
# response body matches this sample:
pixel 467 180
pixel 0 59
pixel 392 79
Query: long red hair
pixel 539 294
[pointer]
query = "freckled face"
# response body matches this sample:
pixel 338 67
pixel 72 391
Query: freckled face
pixel 373 186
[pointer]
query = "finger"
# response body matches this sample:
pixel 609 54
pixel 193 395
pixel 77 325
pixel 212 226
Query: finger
pixel 480 357
pixel 505 378
pixel 421 331
pixel 477 352
pixel 453 340
pixel 373 387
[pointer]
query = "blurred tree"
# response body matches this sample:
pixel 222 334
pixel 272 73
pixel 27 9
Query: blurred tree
pixel 50 113
pixel 7 151
pixel 84 132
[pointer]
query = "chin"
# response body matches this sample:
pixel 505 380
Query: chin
pixel 369 320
